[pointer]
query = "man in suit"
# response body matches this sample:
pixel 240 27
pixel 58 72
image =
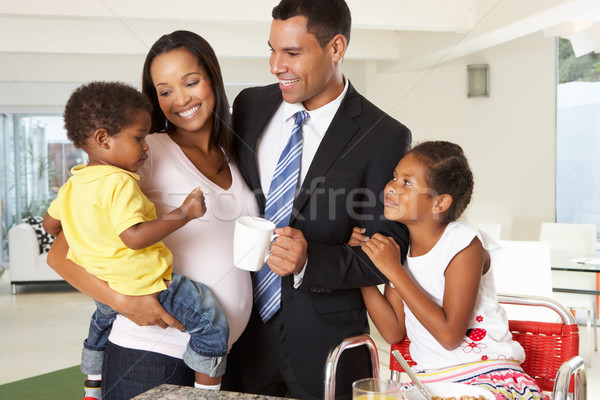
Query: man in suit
pixel 350 149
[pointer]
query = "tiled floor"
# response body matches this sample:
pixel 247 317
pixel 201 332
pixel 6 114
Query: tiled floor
pixel 42 328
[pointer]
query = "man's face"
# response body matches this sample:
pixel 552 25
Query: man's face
pixel 305 70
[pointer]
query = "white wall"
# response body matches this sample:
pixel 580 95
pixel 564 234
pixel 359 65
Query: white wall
pixel 509 138
pixel 43 82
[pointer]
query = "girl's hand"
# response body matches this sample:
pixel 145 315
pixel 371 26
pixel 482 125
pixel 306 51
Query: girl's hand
pixel 194 204
pixel 383 251
pixel 357 238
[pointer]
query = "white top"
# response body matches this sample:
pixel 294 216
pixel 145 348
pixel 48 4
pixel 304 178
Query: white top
pixel 202 249
pixel 488 337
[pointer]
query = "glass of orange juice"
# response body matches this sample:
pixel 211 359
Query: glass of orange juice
pixel 376 389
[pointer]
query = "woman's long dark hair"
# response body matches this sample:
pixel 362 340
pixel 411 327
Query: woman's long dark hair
pixel 222 134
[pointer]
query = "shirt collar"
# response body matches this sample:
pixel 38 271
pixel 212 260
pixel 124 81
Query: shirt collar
pixel 87 173
pixel 321 117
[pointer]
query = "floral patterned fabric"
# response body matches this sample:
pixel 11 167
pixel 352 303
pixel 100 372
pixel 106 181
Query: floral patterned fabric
pixel 45 240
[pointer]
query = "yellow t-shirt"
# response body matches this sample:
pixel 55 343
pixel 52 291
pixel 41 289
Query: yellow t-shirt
pixel 95 206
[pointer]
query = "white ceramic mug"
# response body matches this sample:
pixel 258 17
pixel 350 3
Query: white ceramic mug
pixel 251 242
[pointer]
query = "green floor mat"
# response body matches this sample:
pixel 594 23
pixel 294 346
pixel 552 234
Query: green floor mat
pixel 64 384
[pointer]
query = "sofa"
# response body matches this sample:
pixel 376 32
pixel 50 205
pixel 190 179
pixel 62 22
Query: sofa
pixel 28 246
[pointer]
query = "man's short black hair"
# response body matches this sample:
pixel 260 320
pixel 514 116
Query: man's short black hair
pixel 326 18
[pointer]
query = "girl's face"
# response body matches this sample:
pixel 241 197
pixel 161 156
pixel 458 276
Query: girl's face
pixel 184 91
pixel 407 196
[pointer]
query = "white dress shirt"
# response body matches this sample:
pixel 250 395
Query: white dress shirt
pixel 277 133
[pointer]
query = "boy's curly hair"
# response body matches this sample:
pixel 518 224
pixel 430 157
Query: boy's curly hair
pixel 97 105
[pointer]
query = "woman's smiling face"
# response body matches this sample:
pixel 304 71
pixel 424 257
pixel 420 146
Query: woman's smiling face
pixel 184 91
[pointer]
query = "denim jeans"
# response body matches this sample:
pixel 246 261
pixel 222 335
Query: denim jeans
pixel 192 304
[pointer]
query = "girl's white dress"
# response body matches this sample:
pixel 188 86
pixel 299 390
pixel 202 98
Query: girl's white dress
pixel 487 337
pixel 487 357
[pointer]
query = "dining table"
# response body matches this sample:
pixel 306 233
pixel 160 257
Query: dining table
pixel 580 263
pixel 572 262
pixel 176 392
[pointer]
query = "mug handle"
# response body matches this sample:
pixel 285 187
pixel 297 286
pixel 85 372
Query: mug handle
pixel 273 237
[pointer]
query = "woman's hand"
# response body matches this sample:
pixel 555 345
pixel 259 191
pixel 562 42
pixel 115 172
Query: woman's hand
pixel 145 310
pixel 357 238
pixel 384 252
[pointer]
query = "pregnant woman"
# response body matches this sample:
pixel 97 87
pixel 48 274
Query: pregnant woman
pixel 191 148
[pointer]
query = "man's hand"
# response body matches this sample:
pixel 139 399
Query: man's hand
pixel 288 252
pixel 145 310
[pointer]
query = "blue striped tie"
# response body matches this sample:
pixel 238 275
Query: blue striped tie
pixel 267 284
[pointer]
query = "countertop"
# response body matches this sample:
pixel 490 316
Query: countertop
pixel 174 392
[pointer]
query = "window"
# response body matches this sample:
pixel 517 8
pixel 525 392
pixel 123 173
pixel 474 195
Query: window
pixel 578 137
pixel 36 160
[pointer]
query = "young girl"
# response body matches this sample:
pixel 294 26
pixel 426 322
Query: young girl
pixel 443 297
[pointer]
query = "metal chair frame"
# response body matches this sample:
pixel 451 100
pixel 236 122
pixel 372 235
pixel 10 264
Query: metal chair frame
pixel 334 356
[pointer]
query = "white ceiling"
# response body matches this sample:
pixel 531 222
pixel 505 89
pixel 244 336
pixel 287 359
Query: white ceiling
pixel 396 34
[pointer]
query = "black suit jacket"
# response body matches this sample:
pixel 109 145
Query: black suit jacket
pixel 342 189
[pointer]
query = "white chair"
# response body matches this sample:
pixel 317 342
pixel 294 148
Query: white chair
pixel 27 264
pixel 493 229
pixel 578 240
pixel 523 268
pixel 569 238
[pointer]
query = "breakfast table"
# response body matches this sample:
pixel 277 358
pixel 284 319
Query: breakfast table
pixel 580 263
pixel 176 392
pixel 586 263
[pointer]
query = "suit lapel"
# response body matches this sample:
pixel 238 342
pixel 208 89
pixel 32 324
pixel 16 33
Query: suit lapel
pixel 269 103
pixel 339 133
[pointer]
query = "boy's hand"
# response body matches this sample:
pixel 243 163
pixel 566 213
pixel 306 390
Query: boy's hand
pixel 384 252
pixel 194 205
pixel 357 238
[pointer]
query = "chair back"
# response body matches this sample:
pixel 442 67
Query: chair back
pixel 569 238
pixel 493 229
pixel 516 266
pixel 403 347
pixel 547 345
